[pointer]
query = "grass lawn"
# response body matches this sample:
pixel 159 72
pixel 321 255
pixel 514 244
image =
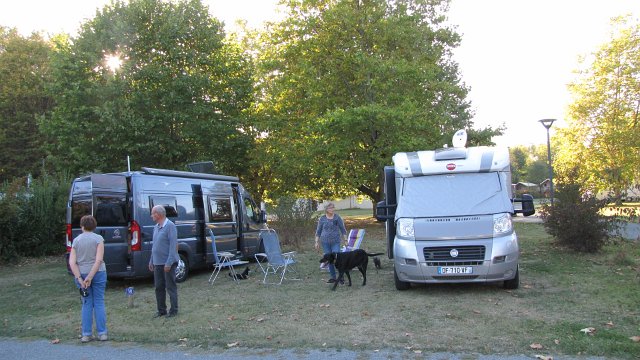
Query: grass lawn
pixel 561 293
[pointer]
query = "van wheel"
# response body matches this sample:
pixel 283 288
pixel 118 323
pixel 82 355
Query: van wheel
pixel 182 270
pixel 513 283
pixel 400 285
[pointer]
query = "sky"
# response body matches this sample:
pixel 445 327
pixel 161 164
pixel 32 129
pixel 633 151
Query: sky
pixel 516 56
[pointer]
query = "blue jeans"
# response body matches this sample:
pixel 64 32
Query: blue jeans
pixel 329 247
pixel 94 305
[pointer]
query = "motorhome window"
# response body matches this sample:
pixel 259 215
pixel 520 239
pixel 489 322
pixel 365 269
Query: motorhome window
pixel 82 187
pixel 220 209
pixel 453 195
pixel 79 208
pixel 250 207
pixel 111 210
pixel 169 203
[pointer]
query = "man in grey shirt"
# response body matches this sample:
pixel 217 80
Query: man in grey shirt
pixel 164 260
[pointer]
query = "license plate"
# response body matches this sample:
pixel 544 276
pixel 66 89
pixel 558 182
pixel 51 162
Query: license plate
pixel 453 270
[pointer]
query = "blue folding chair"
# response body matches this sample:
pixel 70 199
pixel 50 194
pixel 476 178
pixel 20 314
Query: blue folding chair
pixel 273 261
pixel 223 259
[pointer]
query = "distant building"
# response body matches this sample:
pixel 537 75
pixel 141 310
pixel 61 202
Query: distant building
pixel 545 188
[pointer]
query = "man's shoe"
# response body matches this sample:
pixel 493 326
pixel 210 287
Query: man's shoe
pixel 103 337
pixel 331 281
pixel 172 314
pixel 159 314
pixel 85 339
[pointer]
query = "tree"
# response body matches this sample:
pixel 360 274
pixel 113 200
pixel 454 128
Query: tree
pixel 519 157
pixel 604 117
pixel 346 84
pixel 152 79
pixel 24 71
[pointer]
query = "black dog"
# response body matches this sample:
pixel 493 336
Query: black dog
pixel 243 276
pixel 345 261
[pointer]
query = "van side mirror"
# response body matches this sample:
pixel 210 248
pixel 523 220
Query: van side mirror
pixel 528 208
pixel 382 211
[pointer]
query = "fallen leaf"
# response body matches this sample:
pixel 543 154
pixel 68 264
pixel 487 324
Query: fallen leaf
pixel 589 330
pixel 417 352
pixel 544 357
pixel 183 339
pixel 231 318
pixel 556 341
pixel 269 337
pixel 55 341
pixel 476 312
pixel 259 319
pixel 635 338
pixel 27 285
pixel 536 346
pixel 407 334
pixel 609 324
pixel 528 286
pixel 233 344
pixel 324 344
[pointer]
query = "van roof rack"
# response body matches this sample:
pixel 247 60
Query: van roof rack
pixel 187 174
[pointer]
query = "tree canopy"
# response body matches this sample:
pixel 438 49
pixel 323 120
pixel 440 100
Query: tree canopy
pixel 343 85
pixel 604 116
pixel 24 71
pixel 152 79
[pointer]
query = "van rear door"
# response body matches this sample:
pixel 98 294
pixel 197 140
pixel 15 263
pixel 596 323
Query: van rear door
pixel 112 212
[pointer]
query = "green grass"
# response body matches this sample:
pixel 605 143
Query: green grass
pixel 561 293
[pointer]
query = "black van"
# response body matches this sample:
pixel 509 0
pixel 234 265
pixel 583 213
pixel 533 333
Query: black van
pixel 195 202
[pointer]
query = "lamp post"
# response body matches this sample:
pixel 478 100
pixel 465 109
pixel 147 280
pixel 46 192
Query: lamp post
pixel 547 124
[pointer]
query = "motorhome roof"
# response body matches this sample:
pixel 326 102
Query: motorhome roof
pixel 451 160
pixel 173 173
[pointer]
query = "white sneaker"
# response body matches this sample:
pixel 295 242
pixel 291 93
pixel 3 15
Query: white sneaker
pixel 85 339
pixel 103 337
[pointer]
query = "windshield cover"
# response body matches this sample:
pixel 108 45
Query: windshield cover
pixel 453 195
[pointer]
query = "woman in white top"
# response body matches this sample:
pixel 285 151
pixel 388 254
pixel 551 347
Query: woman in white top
pixel 90 275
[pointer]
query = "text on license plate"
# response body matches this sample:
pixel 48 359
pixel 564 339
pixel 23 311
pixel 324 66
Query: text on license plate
pixel 445 270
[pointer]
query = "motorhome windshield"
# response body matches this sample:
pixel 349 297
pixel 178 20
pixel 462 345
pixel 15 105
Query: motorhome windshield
pixel 453 195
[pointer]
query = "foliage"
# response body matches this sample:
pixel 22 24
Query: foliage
pixel 293 220
pixel 32 218
pixel 575 218
pixel 345 84
pixel 177 95
pixel 24 71
pixel 603 119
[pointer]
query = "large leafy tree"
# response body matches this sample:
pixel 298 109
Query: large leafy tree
pixel 24 71
pixel 152 79
pixel 346 84
pixel 604 118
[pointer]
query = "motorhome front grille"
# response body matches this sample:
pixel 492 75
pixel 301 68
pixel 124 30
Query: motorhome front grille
pixel 454 263
pixel 456 254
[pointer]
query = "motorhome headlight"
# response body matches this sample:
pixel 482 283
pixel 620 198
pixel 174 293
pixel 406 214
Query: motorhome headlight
pixel 502 224
pixel 405 228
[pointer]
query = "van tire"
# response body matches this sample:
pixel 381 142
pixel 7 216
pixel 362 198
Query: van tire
pixel 400 285
pixel 182 271
pixel 513 283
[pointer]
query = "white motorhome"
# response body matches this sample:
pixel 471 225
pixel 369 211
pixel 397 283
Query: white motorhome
pixel 448 215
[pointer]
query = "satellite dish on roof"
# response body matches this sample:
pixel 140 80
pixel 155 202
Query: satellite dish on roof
pixel 460 139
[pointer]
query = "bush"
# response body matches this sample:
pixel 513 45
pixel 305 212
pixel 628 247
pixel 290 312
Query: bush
pixel 32 219
pixel 293 220
pixel 575 220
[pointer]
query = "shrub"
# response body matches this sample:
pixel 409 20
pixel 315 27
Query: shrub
pixel 293 220
pixel 32 219
pixel 574 219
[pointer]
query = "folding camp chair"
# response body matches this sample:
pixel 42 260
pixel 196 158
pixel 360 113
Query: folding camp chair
pixel 354 240
pixel 273 261
pixel 223 259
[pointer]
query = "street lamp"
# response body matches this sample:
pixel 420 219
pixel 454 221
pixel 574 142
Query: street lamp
pixel 547 124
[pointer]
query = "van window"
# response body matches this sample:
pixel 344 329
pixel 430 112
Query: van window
pixel 111 210
pixel 220 209
pixel 79 208
pixel 251 209
pixel 169 203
